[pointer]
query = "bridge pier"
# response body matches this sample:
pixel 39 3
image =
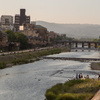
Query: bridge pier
pixel 82 45
pixel 95 45
pixel 70 44
pixel 89 45
pixel 76 45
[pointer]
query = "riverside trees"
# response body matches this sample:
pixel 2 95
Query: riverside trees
pixel 17 37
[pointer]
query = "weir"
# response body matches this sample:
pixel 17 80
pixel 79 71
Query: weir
pixel 76 59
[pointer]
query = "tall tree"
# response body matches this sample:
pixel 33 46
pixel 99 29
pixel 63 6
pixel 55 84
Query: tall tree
pixel 18 37
pixel 22 39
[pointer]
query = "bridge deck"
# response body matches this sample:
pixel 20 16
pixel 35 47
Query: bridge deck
pixel 84 48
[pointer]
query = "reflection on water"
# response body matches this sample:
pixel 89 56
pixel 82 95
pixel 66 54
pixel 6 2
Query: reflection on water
pixel 30 81
pixel 79 54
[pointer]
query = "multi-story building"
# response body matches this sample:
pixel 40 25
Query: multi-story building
pixel 21 19
pixel 37 34
pixel 6 22
pixel 17 22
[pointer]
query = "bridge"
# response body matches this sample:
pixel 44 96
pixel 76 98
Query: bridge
pixel 75 59
pixel 78 48
pixel 89 44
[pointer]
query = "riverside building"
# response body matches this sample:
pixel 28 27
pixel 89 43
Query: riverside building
pixel 21 19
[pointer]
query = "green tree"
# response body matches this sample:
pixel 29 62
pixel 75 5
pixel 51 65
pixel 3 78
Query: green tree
pixel 9 32
pixel 22 39
pixel 11 36
pixel 18 37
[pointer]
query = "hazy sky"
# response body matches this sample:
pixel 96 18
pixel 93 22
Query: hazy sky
pixel 58 11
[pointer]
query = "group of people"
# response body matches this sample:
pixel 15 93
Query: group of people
pixel 80 76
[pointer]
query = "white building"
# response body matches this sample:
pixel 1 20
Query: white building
pixel 6 22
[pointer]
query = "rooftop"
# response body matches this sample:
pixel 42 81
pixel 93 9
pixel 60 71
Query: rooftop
pixel 39 26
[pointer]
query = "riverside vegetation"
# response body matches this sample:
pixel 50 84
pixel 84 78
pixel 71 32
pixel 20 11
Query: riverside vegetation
pixel 74 90
pixel 23 58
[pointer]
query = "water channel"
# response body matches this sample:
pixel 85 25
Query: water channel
pixel 30 81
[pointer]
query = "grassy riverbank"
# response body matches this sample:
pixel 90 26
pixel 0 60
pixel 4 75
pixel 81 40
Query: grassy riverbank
pixel 74 90
pixel 22 58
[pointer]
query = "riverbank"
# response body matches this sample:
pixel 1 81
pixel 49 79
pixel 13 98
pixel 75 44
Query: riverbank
pixel 74 90
pixel 95 65
pixel 27 57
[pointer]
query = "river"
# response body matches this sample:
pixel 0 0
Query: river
pixel 30 81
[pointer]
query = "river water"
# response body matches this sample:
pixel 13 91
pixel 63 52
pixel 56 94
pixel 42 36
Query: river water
pixel 30 81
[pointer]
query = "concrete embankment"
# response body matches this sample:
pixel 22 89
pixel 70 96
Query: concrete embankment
pixel 96 66
pixel 97 96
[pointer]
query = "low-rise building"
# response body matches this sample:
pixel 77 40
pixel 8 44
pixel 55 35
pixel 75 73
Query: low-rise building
pixel 37 34
pixel 43 33
pixel 53 35
pixel 28 30
pixel 3 40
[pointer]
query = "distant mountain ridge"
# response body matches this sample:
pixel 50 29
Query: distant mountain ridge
pixel 73 30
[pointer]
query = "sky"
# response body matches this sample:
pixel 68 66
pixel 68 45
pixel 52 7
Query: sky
pixel 57 11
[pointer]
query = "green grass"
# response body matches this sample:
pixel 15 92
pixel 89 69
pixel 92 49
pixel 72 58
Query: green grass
pixel 21 61
pixel 99 64
pixel 28 57
pixel 74 96
pixel 74 90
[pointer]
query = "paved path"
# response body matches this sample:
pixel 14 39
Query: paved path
pixel 97 96
pixel 23 51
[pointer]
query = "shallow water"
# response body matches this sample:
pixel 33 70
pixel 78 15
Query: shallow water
pixel 30 81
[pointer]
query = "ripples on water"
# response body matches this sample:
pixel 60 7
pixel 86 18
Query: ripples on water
pixel 30 81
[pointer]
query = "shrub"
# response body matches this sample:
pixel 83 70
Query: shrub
pixel 74 90
pixel 50 96
pixel 56 89
pixel 73 96
pixel 73 82
pixel 21 61
pixel 2 65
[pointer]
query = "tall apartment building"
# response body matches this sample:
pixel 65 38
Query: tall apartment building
pixel 21 19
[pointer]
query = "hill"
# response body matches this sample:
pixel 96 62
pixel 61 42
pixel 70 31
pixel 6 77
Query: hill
pixel 73 30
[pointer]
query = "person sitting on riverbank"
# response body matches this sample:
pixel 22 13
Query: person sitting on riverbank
pixel 80 76
pixel 87 77
pixel 99 76
pixel 77 76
